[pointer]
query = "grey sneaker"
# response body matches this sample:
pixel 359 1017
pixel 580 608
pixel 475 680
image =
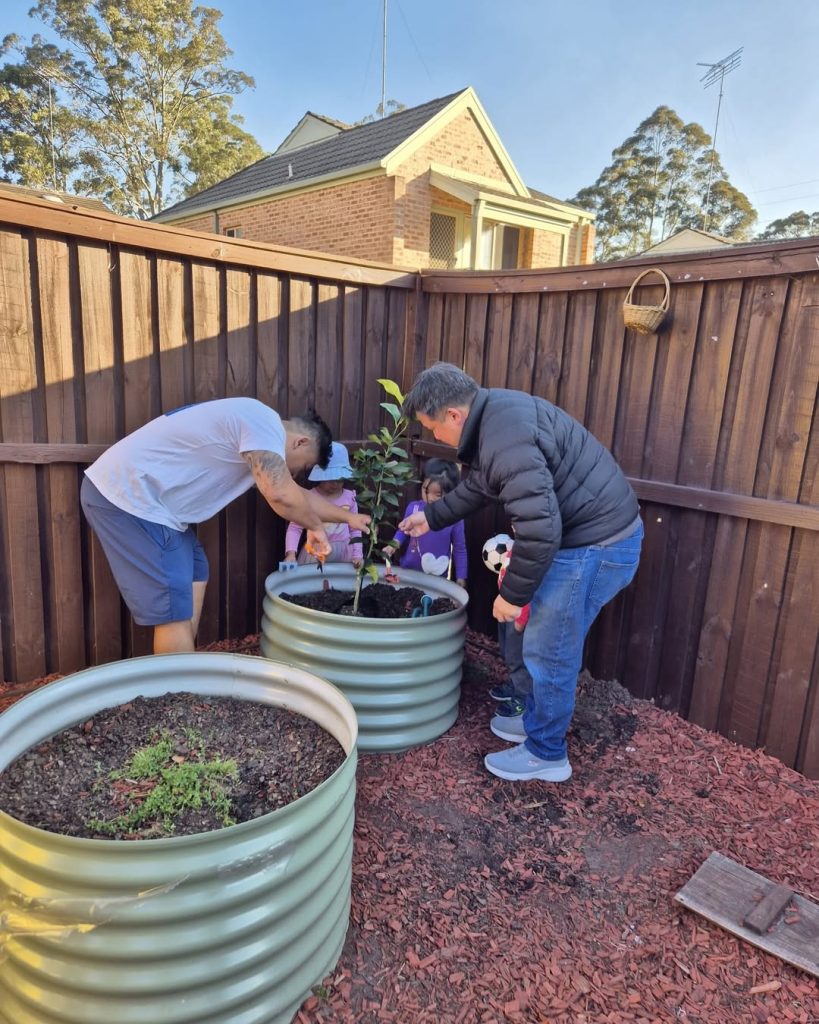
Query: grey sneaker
pixel 519 764
pixel 508 727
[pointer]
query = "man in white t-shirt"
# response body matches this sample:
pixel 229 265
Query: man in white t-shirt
pixel 142 495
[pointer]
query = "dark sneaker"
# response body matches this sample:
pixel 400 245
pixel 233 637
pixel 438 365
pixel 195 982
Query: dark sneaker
pixel 510 728
pixel 503 691
pixel 511 708
pixel 519 764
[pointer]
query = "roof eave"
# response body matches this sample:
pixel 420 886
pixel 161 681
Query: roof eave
pixel 250 198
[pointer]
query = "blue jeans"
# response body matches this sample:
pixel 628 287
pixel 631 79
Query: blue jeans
pixel 576 586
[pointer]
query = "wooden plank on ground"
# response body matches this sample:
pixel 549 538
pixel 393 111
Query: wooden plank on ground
pixel 756 910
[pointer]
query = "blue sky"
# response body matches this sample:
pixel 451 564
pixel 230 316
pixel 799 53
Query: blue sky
pixel 563 81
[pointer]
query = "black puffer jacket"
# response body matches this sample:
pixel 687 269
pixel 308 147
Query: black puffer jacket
pixel 559 486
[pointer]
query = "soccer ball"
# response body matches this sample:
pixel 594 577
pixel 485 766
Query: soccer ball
pixel 497 551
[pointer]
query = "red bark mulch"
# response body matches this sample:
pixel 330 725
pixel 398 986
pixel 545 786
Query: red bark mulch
pixel 479 900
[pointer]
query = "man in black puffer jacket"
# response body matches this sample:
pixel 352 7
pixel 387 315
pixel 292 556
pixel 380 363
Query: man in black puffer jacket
pixel 577 540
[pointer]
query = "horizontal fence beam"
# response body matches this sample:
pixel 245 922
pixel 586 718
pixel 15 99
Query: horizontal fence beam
pixel 733 264
pixel 93 226
pixel 42 454
pixel 766 510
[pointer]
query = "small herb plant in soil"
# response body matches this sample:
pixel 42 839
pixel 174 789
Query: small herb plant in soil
pixel 173 765
pixel 380 472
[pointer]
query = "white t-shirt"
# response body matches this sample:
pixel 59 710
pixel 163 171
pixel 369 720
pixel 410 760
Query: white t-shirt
pixel 185 466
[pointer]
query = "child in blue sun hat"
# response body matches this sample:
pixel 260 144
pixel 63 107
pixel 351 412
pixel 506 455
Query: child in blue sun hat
pixel 330 484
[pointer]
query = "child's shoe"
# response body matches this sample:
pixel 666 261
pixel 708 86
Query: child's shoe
pixel 519 764
pixel 503 691
pixel 511 708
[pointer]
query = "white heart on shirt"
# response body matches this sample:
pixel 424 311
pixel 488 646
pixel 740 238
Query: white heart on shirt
pixel 435 566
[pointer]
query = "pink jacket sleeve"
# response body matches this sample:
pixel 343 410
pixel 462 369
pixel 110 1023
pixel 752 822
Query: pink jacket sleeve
pixel 292 537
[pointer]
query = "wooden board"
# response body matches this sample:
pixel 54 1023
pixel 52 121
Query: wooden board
pixel 752 907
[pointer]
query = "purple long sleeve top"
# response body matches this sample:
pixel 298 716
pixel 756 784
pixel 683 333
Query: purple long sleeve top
pixel 431 551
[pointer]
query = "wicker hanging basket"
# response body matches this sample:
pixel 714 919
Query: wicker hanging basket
pixel 646 319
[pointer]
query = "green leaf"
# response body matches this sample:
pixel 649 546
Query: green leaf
pixel 392 389
pixel 393 410
pixel 372 572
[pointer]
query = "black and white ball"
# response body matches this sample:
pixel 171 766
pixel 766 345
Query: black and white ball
pixel 496 552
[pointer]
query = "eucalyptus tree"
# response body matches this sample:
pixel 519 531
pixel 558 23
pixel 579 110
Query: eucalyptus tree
pixel 795 225
pixel 130 101
pixel 662 178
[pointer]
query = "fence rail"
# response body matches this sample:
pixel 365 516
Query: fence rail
pixel 105 323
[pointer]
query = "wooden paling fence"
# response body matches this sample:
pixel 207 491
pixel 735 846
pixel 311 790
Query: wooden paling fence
pixel 105 323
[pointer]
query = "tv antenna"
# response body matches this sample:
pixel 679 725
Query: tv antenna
pixel 384 62
pixel 716 72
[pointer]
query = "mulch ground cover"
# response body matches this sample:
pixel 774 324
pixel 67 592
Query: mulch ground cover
pixel 479 900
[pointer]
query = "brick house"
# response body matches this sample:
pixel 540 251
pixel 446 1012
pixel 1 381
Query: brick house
pixel 431 186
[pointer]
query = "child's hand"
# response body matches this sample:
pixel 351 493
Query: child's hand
pixel 388 551
pixel 461 583
pixel 357 563
pixel 290 556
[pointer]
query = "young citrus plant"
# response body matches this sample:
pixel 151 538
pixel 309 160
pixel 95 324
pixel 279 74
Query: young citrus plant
pixel 380 472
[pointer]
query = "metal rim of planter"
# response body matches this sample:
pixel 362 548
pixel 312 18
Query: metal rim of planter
pixel 402 676
pixel 232 926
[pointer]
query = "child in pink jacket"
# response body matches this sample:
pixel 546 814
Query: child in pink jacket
pixel 330 485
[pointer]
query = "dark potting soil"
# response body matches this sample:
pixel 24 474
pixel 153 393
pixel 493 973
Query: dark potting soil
pixel 64 784
pixel 378 601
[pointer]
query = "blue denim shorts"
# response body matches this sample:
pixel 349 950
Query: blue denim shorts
pixel 154 566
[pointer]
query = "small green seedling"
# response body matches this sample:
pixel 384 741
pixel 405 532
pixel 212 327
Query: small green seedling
pixel 158 785
pixel 380 473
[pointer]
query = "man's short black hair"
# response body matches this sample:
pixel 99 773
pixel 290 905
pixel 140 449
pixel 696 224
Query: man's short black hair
pixel 315 425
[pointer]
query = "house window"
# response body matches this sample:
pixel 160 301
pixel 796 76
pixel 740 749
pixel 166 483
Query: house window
pixel 233 232
pixel 500 248
pixel 442 241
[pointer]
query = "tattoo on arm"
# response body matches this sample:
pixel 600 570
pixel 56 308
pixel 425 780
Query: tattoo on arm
pixel 266 466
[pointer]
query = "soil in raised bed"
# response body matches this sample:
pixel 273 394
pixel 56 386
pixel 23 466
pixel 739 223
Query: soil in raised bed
pixel 63 785
pixel 378 601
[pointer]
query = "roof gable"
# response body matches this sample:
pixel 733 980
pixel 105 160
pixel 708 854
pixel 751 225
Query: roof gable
pixel 311 128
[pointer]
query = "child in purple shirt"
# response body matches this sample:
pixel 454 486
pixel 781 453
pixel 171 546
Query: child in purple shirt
pixel 433 552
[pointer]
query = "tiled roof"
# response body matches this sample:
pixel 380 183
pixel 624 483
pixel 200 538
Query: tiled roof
pixel 66 198
pixel 354 147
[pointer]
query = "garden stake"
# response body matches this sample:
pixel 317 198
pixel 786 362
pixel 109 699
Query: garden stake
pixel 423 610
